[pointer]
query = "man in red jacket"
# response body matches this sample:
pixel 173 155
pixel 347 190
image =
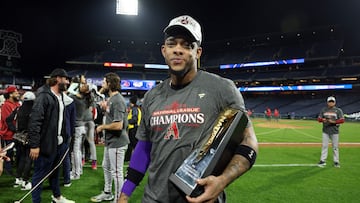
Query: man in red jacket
pixel 11 103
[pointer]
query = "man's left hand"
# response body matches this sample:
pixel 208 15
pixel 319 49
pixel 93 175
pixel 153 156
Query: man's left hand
pixel 34 153
pixel 99 128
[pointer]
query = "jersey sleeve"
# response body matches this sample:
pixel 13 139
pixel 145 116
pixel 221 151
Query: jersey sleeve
pixel 231 96
pixel 119 111
pixel 143 131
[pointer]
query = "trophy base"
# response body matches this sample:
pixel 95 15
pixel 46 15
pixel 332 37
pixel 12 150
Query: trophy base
pixel 185 188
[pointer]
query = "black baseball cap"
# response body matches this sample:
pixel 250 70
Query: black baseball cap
pixel 58 72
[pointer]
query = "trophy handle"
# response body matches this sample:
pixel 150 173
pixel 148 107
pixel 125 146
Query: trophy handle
pixel 222 124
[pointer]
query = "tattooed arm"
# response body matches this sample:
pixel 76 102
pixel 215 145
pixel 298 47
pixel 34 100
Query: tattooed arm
pixel 238 165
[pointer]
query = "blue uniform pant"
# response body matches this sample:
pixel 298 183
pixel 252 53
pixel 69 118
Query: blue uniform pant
pixel 66 163
pixel 43 166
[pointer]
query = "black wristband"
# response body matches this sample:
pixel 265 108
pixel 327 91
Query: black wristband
pixel 247 152
pixel 134 176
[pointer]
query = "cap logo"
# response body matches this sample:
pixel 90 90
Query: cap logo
pixel 184 21
pixel 188 23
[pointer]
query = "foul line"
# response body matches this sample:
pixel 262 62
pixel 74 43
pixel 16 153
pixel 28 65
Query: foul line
pixel 306 134
pixel 283 165
pixel 269 132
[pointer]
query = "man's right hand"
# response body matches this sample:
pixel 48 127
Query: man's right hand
pixel 3 156
pixel 34 153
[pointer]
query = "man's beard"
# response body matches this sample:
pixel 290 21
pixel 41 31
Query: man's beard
pixel 62 87
pixel 16 99
pixel 105 91
pixel 179 73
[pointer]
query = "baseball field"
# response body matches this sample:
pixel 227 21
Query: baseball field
pixel 285 171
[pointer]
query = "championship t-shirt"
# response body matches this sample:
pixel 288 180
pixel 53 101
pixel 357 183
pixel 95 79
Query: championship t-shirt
pixel 116 111
pixel 179 121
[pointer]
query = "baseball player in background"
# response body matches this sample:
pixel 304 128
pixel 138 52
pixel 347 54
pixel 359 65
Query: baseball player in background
pixel 116 138
pixel 331 117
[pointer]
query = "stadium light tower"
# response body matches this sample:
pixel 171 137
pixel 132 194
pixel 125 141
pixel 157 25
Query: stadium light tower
pixel 127 7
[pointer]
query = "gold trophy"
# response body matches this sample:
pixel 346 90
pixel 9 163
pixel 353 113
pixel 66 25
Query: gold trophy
pixel 214 154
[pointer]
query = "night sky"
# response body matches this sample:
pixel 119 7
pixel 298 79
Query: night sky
pixel 56 31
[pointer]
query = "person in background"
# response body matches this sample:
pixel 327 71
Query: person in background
pixel 169 108
pixel 90 130
pixel 331 117
pixel 116 138
pixel 2 100
pixel 250 113
pixel 276 114
pixel 134 117
pixel 80 101
pixel 10 104
pixel 47 132
pixel 98 114
pixel 3 158
pixel 70 114
pixel 21 117
pixel 268 114
pixel 75 84
pixel 2 154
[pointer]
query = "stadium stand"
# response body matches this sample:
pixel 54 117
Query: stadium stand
pixel 341 71
pixel 324 63
pixel 270 75
pixel 291 51
pixel 305 74
pixel 326 49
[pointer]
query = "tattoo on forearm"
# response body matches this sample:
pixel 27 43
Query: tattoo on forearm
pixel 239 164
pixel 236 168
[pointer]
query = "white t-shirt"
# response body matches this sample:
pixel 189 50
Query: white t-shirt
pixel 61 112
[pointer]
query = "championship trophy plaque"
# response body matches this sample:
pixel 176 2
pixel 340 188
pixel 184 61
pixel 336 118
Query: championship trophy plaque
pixel 214 155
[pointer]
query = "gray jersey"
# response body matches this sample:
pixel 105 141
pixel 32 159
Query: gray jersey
pixel 116 111
pixel 333 113
pixel 80 106
pixel 179 121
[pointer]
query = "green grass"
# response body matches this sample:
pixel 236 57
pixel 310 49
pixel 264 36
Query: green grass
pixel 271 179
pixel 302 131
pixel 298 184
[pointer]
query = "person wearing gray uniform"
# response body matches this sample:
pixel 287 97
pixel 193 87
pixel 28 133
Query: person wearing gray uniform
pixel 178 115
pixel 90 133
pixel 116 138
pixel 331 117
pixel 80 106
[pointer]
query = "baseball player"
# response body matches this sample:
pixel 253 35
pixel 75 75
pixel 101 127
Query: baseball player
pixel 178 114
pixel 331 117
pixel 116 138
